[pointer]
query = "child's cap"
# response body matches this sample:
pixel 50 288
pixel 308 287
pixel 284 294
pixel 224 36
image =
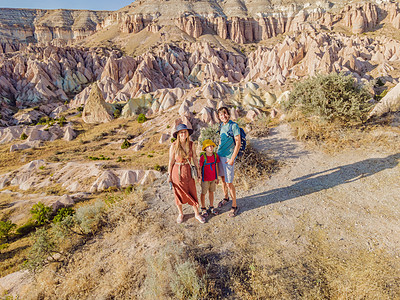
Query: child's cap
pixel 207 143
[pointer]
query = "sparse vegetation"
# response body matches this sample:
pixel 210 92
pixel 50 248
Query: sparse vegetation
pixel 253 165
pixel 61 121
pixel 261 126
pixel 100 157
pixel 24 136
pixel 141 118
pixel 126 144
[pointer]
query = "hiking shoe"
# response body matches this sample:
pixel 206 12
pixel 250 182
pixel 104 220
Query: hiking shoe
pixel 213 210
pixel 234 211
pixel 223 202
pixel 204 212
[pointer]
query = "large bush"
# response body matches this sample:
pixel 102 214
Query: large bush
pixel 332 97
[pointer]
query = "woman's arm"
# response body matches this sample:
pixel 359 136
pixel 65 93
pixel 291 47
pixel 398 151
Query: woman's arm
pixel 171 162
pixel 195 160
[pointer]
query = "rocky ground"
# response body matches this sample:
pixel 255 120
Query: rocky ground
pixel 351 197
pixel 356 188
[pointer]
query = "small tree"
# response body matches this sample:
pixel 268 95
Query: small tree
pixel 6 228
pixel 41 213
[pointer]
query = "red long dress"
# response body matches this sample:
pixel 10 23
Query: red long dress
pixel 184 185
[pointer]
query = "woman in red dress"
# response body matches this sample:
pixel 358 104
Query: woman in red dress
pixel 180 154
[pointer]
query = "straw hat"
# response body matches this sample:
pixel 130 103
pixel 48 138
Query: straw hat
pixel 207 143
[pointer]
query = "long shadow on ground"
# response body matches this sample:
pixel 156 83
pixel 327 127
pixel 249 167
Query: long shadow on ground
pixel 319 181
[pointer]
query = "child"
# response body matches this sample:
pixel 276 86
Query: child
pixel 209 176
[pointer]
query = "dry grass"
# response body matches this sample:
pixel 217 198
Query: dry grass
pixel 253 166
pixel 333 137
pixel 322 271
pixel 138 255
pixel 13 257
pixel 93 140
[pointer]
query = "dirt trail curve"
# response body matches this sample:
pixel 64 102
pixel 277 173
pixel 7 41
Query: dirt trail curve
pixel 353 195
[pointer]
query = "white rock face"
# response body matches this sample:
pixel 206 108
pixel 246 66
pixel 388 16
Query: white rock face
pixel 105 180
pixel 73 176
pixel 35 133
pixel 389 103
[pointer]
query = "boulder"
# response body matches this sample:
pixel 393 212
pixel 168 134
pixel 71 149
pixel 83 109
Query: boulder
pixel 69 134
pixel 389 103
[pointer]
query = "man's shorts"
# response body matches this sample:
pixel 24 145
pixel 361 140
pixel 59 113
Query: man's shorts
pixel 208 186
pixel 226 170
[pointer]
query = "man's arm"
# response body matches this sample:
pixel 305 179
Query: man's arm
pixel 236 150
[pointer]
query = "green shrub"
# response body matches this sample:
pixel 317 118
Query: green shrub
pixel 6 228
pixel 100 157
pixel 159 168
pixel 210 133
pixel 61 121
pixel 41 213
pixel 129 189
pixel 141 118
pixel 62 213
pixel 332 97
pixel 80 109
pixel 42 121
pixel 381 95
pixel 125 144
pixel 117 113
pixel 26 228
pixel 89 217
pixel 24 136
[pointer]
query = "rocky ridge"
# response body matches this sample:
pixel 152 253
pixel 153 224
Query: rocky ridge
pixel 57 27
pixel 251 22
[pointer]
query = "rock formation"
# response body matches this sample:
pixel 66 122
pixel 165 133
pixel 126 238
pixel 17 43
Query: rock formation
pixel 96 109
pixel 389 103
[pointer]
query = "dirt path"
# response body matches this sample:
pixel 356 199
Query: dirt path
pixel 353 196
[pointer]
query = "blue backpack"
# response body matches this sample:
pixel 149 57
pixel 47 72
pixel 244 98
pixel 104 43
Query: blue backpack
pixel 242 138
pixel 206 163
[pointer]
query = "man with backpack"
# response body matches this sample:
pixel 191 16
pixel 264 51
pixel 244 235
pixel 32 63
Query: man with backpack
pixel 229 146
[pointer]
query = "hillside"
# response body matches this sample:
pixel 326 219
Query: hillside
pixel 322 225
pixel 89 103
